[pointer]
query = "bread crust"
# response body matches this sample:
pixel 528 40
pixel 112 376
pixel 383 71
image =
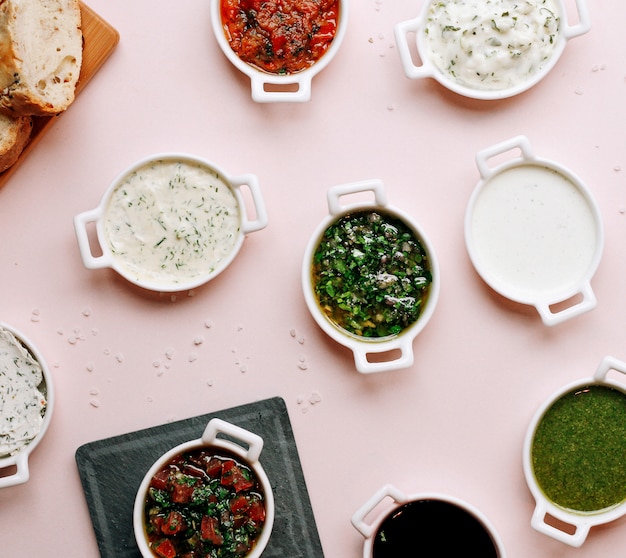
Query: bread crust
pixel 40 55
pixel 15 132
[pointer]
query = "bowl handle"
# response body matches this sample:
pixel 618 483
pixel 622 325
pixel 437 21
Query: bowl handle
pixel 251 181
pixel 252 443
pixel 482 157
pixel 405 359
pixel 401 32
pixel 22 473
pixel 607 364
pixel 262 95
pixel 587 303
pixel 334 194
pixel 359 518
pixel 575 539
pixel 584 21
pixel 80 226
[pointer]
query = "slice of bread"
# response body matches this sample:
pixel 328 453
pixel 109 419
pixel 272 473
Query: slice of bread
pixel 41 48
pixel 14 135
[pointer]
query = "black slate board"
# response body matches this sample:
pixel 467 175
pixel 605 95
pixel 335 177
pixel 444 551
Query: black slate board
pixel 111 471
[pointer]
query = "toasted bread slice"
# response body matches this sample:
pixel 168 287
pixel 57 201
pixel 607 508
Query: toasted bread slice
pixel 41 48
pixel 15 131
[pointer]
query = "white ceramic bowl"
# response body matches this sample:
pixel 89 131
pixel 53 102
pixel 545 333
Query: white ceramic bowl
pixel 388 353
pixel 220 436
pixel 162 219
pixel 370 518
pixel 267 87
pixel 572 526
pixel 534 232
pixel 17 464
pixel 425 67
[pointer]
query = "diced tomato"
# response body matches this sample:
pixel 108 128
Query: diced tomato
pixel 278 43
pixel 214 468
pixel 209 530
pixel 173 524
pixel 256 512
pixel 233 476
pixel 164 549
pixel 160 479
pixel 182 493
pixel 239 504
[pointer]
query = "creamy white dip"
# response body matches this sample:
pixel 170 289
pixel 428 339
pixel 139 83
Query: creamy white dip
pixel 170 222
pixel 22 399
pixel 533 230
pixel 491 44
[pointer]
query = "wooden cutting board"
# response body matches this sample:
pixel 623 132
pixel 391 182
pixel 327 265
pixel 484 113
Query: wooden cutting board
pixel 99 41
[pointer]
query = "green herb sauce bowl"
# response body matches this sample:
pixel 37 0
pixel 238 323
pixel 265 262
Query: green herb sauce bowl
pixel 370 277
pixel 575 456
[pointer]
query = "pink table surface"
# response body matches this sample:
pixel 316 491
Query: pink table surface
pixel 123 360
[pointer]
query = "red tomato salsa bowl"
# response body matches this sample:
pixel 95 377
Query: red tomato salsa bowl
pixel 207 497
pixel 279 44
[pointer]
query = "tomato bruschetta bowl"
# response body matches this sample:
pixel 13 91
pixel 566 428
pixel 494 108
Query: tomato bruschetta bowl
pixel 206 497
pixel 370 277
pixel 26 404
pixel 280 44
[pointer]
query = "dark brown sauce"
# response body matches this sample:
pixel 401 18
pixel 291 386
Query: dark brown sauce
pixel 432 528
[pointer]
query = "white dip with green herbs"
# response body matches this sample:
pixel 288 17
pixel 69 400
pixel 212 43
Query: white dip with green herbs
pixel 171 222
pixel 491 44
pixel 22 399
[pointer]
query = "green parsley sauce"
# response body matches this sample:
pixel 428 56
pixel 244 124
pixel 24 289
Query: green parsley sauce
pixel 371 274
pixel 579 449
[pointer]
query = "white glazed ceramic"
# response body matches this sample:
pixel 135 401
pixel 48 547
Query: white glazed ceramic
pixel 424 68
pixel 108 260
pixel 561 289
pixel 582 522
pixel 369 517
pixel 19 462
pixel 361 346
pixel 269 88
pixel 220 435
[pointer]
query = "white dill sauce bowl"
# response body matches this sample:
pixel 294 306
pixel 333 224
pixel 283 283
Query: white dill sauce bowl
pixel 16 350
pixel 488 51
pixel 171 222
pixel 272 87
pixel 371 354
pixel 225 440
pixel 533 231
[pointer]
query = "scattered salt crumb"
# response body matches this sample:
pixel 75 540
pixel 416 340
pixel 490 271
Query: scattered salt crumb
pixel 315 398
pixel 292 332
pixel 95 403
pixel 59 332
pixel 150 399
pixel 300 400
pixel 72 340
pixel 239 327
pixel 370 40
pixel 303 366
pixel 87 312
pixel 617 168
pixel 208 324
pixel 191 293
pixel 381 36
pixel 622 210
pixel 243 369
pixel 193 357
pixel 209 383
pixel 35 315
pixel 107 352
pixel 198 340
pixel 89 367
pixel 56 365
pixel 390 107
pixel 119 357
pixel 578 91
pixel 169 353
pixel 94 331
pixel 305 410
pixel 301 340
pixel 93 391
pixel 156 363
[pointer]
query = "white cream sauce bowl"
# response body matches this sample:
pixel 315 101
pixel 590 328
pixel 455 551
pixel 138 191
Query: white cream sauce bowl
pixel 488 51
pixel 371 354
pixel 275 88
pixel 171 222
pixel 572 526
pixel 14 466
pixel 534 232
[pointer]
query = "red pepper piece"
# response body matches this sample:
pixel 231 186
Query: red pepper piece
pixel 165 549
pixel 209 530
